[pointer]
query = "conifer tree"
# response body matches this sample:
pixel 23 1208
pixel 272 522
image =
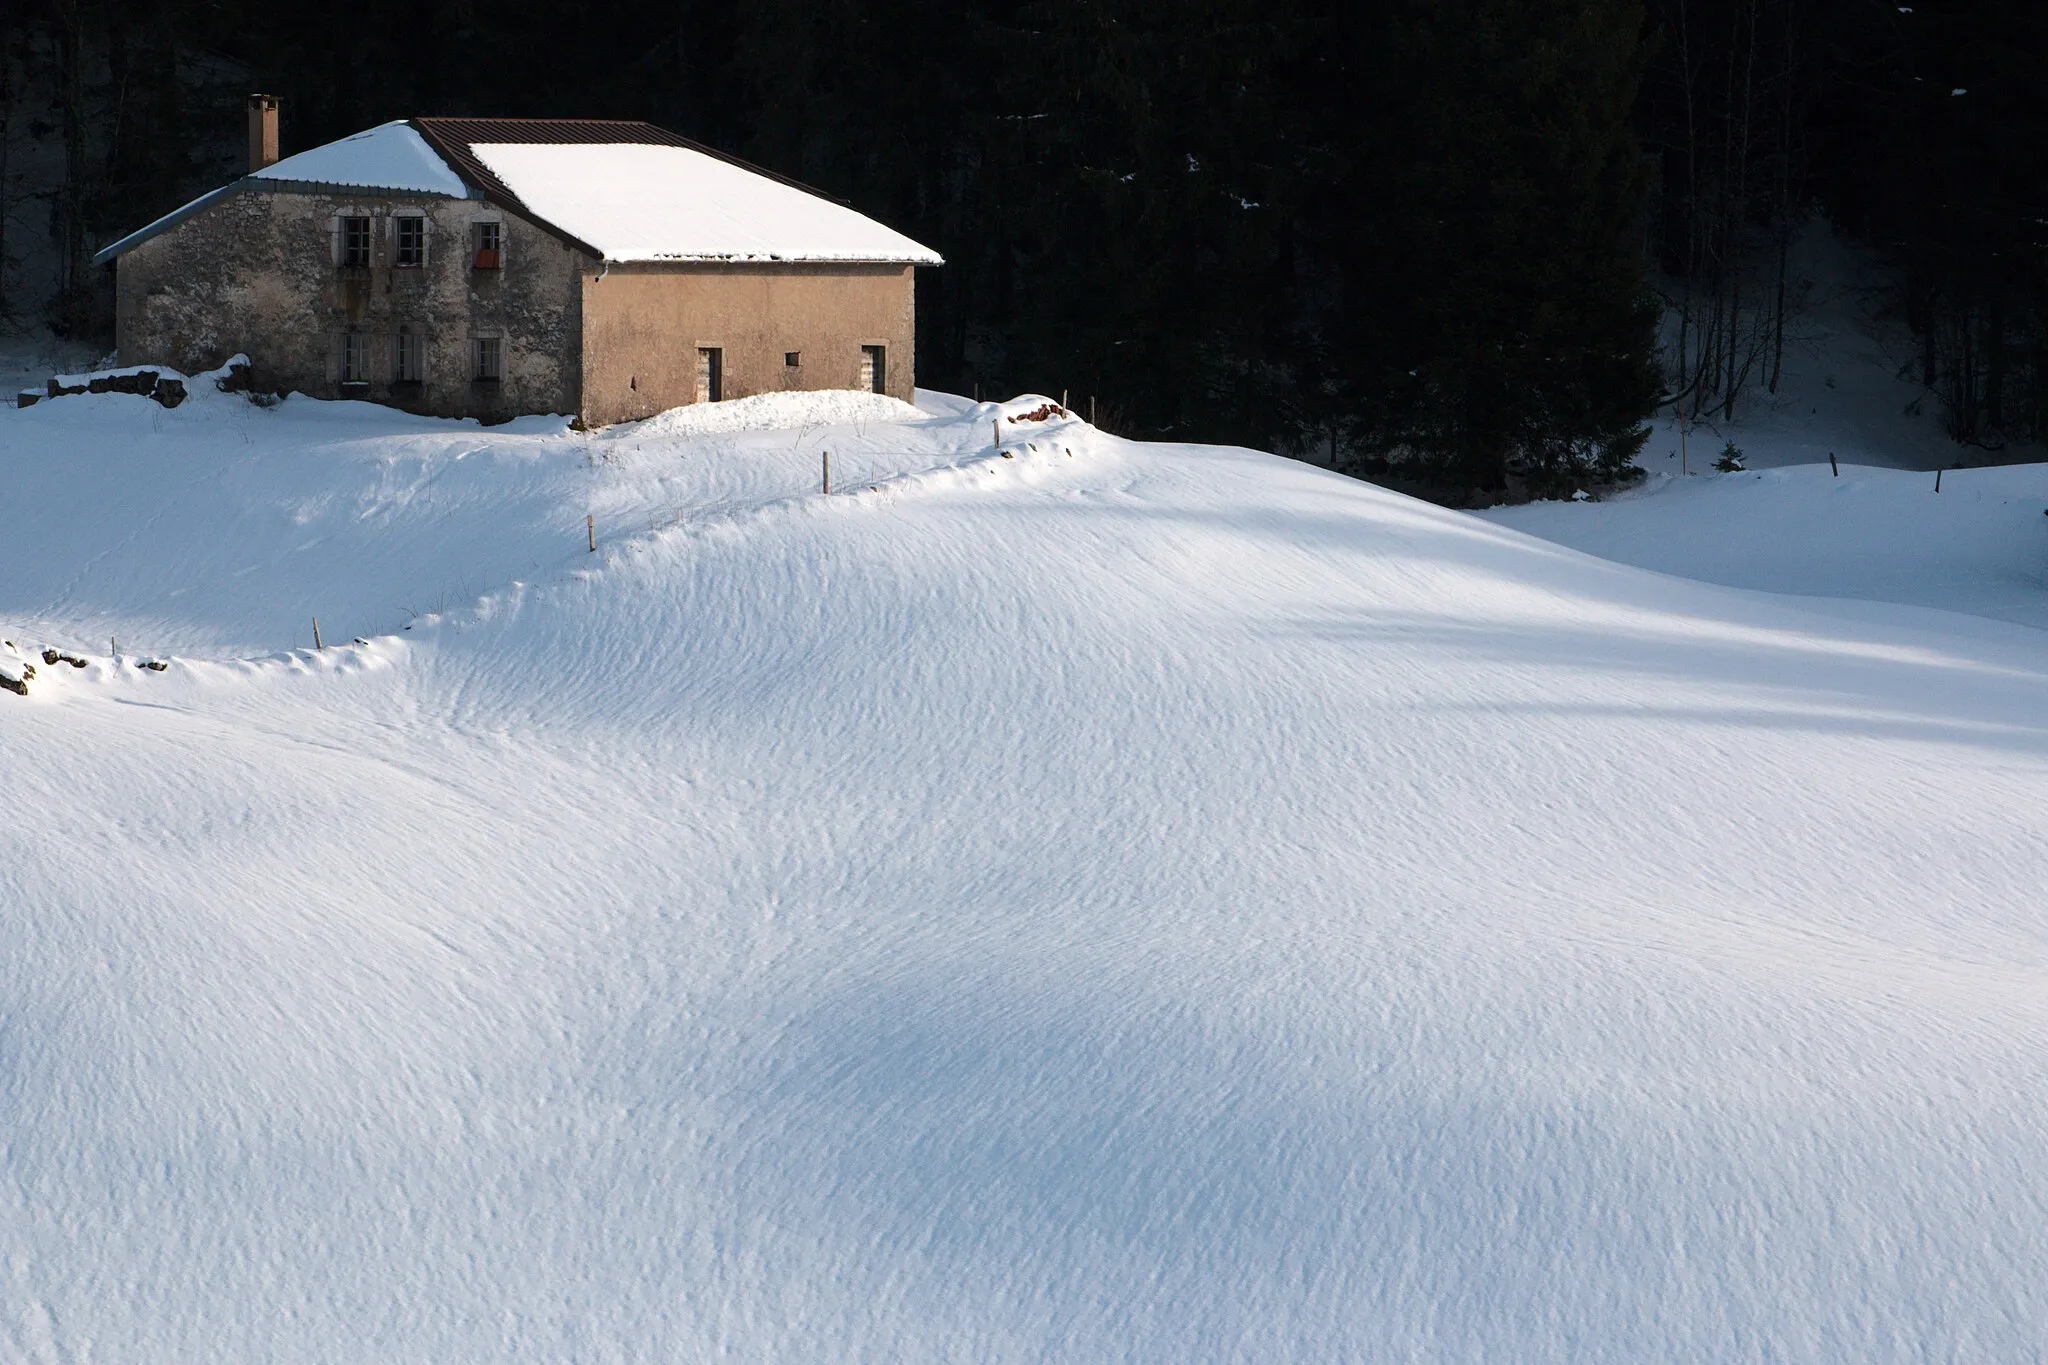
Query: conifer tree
pixel 1490 240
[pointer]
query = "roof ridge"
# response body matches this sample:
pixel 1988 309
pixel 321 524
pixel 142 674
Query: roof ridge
pixel 510 118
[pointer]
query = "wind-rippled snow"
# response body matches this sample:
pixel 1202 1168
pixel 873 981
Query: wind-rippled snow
pixel 1111 902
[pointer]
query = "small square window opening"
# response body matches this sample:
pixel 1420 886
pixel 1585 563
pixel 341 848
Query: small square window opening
pixel 410 241
pixel 354 244
pixel 792 358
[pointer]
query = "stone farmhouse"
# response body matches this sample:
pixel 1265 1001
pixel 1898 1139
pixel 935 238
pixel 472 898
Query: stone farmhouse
pixel 491 267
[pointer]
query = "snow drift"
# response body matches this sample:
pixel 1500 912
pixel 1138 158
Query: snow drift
pixel 1085 901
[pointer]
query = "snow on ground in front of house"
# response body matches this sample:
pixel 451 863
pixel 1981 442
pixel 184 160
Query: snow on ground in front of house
pixel 30 354
pixel 1114 902
pixel 221 526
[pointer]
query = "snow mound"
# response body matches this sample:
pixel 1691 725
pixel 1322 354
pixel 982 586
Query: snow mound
pixel 772 412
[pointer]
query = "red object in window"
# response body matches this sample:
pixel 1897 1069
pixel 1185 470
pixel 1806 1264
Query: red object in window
pixel 487 258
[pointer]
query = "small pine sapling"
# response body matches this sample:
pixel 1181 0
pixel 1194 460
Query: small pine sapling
pixel 1731 459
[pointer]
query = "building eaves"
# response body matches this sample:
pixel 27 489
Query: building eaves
pixel 170 220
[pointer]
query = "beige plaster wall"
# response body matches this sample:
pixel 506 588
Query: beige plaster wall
pixel 643 325
pixel 256 273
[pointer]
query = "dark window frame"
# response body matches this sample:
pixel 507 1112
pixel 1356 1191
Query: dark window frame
pixel 487 245
pixel 410 255
pixel 408 356
pixel 352 241
pixel 487 360
pixel 355 358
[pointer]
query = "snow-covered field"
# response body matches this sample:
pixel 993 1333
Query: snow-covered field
pixel 1112 902
pixel 1980 545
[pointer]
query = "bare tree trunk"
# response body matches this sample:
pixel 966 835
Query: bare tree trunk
pixel 1688 382
pixel 1778 311
pixel 6 123
pixel 1788 78
pixel 1734 340
pixel 1994 361
pixel 1742 340
pixel 70 37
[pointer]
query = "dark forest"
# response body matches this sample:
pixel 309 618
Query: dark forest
pixel 1436 235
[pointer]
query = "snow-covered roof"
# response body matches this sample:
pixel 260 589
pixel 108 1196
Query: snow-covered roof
pixel 391 156
pixel 641 202
pixel 624 191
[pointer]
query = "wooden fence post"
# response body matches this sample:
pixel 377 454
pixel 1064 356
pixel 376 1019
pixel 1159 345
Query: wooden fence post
pixel 828 471
pixel 1832 465
pixel 590 531
pixel 317 646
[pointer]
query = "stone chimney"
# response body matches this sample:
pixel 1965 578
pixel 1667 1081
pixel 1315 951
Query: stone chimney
pixel 262 131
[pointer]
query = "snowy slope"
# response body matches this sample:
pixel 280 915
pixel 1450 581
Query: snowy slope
pixel 1150 903
pixel 1979 545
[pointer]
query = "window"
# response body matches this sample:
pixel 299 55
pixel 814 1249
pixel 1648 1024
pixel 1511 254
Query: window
pixel 406 366
pixel 490 360
pixel 792 358
pixel 710 374
pixel 874 369
pixel 489 243
pixel 352 243
pixel 355 358
pixel 409 241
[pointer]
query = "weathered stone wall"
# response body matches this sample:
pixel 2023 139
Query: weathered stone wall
pixel 643 325
pixel 257 273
